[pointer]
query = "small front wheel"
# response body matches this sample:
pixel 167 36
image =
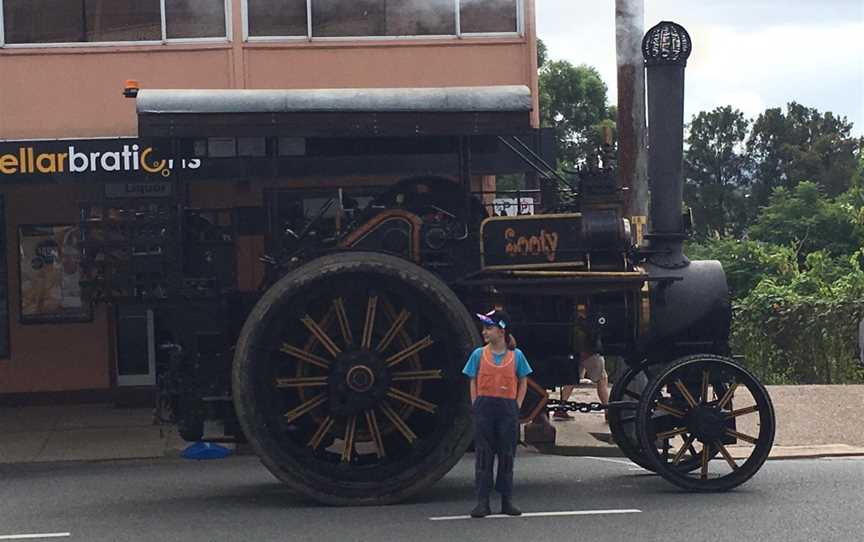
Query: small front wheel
pixel 689 406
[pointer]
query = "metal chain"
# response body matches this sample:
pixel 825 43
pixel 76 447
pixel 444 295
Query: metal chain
pixel 554 405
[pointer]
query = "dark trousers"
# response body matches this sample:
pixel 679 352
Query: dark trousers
pixel 496 433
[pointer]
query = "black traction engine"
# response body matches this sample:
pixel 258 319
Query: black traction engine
pixel 341 363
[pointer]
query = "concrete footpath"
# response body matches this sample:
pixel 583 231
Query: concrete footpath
pixel 812 421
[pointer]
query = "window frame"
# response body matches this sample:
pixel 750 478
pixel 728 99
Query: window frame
pixel 458 34
pixel 165 40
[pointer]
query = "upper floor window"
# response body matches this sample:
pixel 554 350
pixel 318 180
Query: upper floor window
pixel 89 21
pixel 484 16
pixel 380 18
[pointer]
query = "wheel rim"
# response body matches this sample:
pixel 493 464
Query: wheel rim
pixel 622 421
pixel 715 422
pixel 357 383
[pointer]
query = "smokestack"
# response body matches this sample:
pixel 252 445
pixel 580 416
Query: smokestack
pixel 666 48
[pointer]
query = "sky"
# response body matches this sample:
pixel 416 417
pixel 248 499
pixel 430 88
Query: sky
pixel 751 54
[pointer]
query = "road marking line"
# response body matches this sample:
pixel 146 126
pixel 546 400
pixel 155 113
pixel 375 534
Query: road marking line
pixel 617 461
pixel 32 536
pixel 547 514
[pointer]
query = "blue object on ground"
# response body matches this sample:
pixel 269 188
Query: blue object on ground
pixel 205 450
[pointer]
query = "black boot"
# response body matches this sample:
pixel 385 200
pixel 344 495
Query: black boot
pixel 482 509
pixel 508 508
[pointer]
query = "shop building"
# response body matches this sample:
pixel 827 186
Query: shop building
pixel 68 135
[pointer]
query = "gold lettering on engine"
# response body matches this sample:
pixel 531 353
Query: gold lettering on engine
pixel 543 244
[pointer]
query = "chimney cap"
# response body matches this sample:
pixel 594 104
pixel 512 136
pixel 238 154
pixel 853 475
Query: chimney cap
pixel 667 43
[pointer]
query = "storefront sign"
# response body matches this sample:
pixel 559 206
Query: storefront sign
pixel 156 189
pixel 79 159
pixel 50 272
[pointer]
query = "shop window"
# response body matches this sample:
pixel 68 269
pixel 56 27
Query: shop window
pixel 420 17
pixel 194 18
pixel 338 18
pixel 483 16
pixel 64 21
pixel 379 18
pixel 344 18
pixel 277 17
pixel 76 21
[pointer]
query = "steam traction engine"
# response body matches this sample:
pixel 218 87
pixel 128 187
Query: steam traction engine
pixel 343 369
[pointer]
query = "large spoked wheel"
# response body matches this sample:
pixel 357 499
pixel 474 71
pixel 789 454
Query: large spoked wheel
pixel 689 406
pixel 347 379
pixel 622 420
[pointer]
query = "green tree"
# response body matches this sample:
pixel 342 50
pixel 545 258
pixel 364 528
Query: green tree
pixel 542 53
pixel 573 101
pixel 746 263
pixel 806 219
pixel 716 169
pixel 802 328
pixel 801 144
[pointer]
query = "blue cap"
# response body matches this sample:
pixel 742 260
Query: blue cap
pixel 494 318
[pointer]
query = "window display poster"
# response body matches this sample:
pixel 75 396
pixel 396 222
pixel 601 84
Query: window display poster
pixel 50 272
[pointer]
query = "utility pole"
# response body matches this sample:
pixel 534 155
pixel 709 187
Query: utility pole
pixel 632 149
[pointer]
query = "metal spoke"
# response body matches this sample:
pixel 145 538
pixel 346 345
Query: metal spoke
pixel 670 410
pixel 375 432
pixel 727 396
pixel 742 411
pixel 411 400
pixel 323 429
pixel 301 382
pixel 394 330
pixel 704 398
pixel 417 375
pixel 322 337
pixel 726 455
pixel 308 406
pixel 669 434
pixel 323 324
pixel 741 436
pixel 686 393
pixel 409 351
pixel 369 324
pixel 303 355
pixel 688 444
pixel 693 451
pixel 342 318
pixel 705 459
pixel 350 432
pixel 398 423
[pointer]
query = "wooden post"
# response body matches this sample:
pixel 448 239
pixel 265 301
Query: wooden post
pixel 632 150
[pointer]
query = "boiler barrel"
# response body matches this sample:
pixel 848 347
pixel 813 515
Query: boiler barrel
pixel 689 313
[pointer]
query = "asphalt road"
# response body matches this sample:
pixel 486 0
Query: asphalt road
pixel 237 499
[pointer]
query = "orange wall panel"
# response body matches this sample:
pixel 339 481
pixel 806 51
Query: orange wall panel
pixel 382 66
pixel 50 357
pixel 60 94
